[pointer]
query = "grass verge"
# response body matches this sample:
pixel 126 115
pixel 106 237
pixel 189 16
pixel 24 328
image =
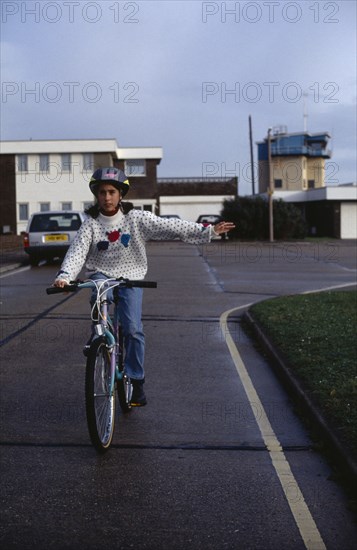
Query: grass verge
pixel 317 335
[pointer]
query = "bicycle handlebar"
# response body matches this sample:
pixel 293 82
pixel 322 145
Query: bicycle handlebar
pixel 74 286
pixel 140 284
pixel 59 289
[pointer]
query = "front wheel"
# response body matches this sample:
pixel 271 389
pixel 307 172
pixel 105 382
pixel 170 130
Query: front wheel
pixel 100 396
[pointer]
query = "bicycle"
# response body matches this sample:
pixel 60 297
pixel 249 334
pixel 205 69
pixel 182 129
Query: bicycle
pixel 105 372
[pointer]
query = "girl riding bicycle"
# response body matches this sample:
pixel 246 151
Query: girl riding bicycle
pixel 111 243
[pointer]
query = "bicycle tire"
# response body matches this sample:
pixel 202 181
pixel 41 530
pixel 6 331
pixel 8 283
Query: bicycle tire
pixel 100 401
pixel 124 387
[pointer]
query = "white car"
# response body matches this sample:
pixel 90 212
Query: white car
pixel 49 234
pixel 211 219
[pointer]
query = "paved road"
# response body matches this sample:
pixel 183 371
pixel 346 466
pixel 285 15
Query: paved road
pixel 192 469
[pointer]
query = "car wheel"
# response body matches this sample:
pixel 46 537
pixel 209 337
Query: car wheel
pixel 34 260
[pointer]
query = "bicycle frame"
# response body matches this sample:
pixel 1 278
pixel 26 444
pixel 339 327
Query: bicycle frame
pixel 105 326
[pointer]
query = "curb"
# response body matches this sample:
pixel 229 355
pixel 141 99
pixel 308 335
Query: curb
pixel 10 267
pixel 341 457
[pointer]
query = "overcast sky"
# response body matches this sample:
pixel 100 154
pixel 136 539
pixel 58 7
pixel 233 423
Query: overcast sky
pixel 184 75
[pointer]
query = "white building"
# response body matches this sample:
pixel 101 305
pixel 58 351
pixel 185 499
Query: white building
pixel 330 211
pixel 50 175
pixel 192 197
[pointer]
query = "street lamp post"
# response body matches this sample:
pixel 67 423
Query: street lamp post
pixel 270 190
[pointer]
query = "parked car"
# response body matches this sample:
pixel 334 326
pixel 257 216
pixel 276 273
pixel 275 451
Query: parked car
pixel 49 234
pixel 211 219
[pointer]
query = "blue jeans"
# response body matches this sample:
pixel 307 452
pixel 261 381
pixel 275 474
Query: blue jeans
pixel 129 310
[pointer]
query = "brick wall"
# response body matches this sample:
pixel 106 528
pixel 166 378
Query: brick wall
pixel 143 187
pixel 7 193
pixel 10 242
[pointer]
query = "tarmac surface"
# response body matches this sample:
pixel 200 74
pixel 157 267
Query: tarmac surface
pixel 218 458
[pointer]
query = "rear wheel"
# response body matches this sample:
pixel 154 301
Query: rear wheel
pixel 100 396
pixel 124 387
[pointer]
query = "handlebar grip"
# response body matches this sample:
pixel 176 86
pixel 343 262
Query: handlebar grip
pixel 58 289
pixel 142 284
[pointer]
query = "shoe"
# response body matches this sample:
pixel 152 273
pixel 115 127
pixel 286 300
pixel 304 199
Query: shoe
pixel 138 398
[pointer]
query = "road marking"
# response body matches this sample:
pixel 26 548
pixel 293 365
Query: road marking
pixel 329 288
pixel 15 271
pixel 301 513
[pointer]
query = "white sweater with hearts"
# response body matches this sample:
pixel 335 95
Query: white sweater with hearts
pixel 115 245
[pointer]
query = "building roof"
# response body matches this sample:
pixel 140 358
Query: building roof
pixel 198 186
pixel 58 146
pixel 347 192
pixel 131 153
pixel 313 136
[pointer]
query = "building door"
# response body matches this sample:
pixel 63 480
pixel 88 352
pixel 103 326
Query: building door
pixel 348 220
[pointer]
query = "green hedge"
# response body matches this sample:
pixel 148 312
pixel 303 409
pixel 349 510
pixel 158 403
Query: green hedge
pixel 251 217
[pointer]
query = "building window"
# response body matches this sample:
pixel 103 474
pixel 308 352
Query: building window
pixel 44 163
pixel 23 211
pixel 88 163
pixel 45 206
pixel 310 184
pixel 278 184
pixel 148 207
pixel 66 162
pixel 66 206
pixel 22 163
pixel 135 168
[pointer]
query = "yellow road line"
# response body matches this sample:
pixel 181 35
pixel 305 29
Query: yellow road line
pixel 301 513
